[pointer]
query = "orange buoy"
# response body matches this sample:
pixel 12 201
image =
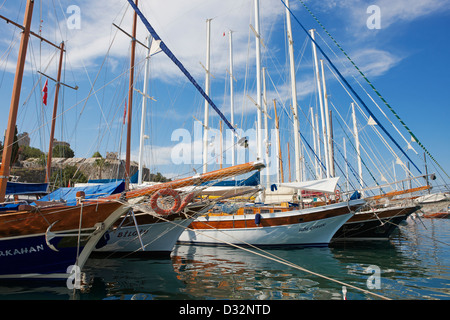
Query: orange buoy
pixel 161 193
pixel 186 201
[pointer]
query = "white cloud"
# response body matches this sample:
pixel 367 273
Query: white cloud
pixel 375 62
pixel 180 24
pixel 408 10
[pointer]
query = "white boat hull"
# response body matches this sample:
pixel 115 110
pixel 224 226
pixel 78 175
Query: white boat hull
pixel 157 238
pixel 294 232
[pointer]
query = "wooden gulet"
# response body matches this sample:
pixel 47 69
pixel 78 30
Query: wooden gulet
pixel 9 136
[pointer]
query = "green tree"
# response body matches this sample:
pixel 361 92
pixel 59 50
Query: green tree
pixel 100 164
pixel 60 178
pixel 62 151
pixel 97 155
pixel 30 152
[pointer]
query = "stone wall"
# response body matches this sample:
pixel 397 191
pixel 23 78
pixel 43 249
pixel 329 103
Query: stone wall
pixel 32 170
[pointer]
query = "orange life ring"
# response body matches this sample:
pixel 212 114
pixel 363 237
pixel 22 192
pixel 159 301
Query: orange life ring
pixel 161 193
pixel 186 201
pixel 337 194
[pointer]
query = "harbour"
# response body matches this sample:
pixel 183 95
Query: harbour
pixel 332 197
pixel 413 264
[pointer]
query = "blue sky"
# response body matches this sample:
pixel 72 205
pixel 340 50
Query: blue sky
pixel 406 60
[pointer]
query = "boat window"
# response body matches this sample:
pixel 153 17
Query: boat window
pixel 248 211
pixel 265 211
pixel 276 210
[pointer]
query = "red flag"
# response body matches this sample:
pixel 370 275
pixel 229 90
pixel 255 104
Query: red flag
pixel 44 90
pixel 125 112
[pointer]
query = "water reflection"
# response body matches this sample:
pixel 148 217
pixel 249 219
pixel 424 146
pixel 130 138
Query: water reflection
pixel 414 264
pixel 230 273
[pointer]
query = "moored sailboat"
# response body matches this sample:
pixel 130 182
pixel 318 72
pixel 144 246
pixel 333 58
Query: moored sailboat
pixel 272 225
pixel 276 224
pixel 374 223
pixel 45 241
pixel 154 227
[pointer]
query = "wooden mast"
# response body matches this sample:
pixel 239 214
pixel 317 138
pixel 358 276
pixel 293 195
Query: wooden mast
pixel 9 137
pixel 55 108
pixel 130 100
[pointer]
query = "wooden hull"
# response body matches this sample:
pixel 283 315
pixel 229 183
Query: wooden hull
pixel 45 244
pixel 373 225
pixel 305 227
pixel 437 215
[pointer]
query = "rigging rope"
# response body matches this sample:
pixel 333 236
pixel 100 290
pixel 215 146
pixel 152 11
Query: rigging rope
pixel 350 87
pixel 374 89
pixel 169 53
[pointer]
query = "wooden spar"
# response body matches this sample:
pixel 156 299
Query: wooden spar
pixel 130 100
pixel 194 180
pixel 31 32
pixel 289 161
pixel 9 136
pixel 55 108
pixel 396 193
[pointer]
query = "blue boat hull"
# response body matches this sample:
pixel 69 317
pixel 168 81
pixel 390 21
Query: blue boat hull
pixel 31 255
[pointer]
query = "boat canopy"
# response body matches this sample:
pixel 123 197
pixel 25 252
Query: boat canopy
pixel 323 185
pixel 91 192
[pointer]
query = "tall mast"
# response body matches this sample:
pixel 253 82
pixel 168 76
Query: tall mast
pixel 331 146
pixel 130 100
pixel 316 163
pixel 280 174
pixel 358 153
pixel 207 83
pixel 266 129
pixel 298 170
pixel 346 165
pixel 258 83
pixel 144 110
pixel 289 161
pixel 318 145
pixel 322 113
pixel 329 138
pixel 9 136
pixel 233 149
pixel 55 109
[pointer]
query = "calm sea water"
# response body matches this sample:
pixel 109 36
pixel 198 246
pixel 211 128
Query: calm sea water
pixel 414 264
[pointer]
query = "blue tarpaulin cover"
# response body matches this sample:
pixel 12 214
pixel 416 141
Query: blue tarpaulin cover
pixel 91 192
pixel 25 188
pixel 253 180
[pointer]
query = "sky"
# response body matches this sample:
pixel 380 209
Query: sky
pixel 400 45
